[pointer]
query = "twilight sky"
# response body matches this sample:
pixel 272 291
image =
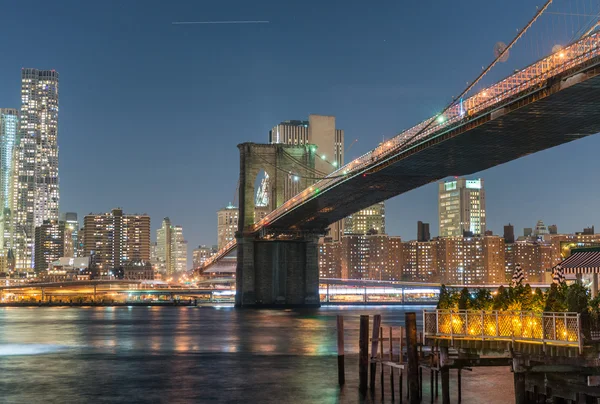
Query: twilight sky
pixel 151 112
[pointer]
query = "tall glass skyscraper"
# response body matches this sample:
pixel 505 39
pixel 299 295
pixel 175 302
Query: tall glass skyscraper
pixel 171 249
pixel 35 187
pixel 461 207
pixel 9 124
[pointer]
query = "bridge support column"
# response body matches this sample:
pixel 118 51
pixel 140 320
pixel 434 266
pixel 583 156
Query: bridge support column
pixel 277 273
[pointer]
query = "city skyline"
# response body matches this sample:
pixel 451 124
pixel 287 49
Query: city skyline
pixel 520 192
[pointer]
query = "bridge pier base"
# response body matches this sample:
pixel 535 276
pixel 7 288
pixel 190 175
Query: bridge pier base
pixel 277 273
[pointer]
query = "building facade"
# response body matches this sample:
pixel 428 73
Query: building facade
pixel 9 126
pixel 53 240
pixel 201 254
pixel 35 179
pixel 461 208
pixel 115 238
pixel 371 256
pixel 330 258
pixel 178 250
pixel 370 220
pixel 72 224
pixel 227 225
pixel 171 249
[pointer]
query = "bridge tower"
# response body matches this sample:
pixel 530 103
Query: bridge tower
pixel 275 268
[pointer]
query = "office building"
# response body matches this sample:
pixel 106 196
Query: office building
pixel 163 248
pixel 72 224
pixel 540 229
pixel 527 232
pixel 370 220
pixel 112 239
pixel 227 225
pixel 320 131
pixel 171 249
pixel 552 229
pixel 201 254
pixel 178 250
pixel 9 124
pixel 35 179
pixel 53 240
pixel 509 233
pixel 423 231
pixel 461 207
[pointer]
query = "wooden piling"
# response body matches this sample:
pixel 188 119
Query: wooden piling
pixel 340 349
pixel 459 386
pixel 374 345
pixel 413 359
pixel 363 360
pixel 520 396
pixel 381 355
pixel 420 383
pixel 391 368
pixel 431 385
pixel 445 373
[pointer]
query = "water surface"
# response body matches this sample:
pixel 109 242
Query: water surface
pixel 188 354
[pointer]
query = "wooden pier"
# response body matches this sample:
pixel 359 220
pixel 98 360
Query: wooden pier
pixel 551 355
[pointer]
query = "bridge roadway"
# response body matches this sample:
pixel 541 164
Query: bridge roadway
pixel 549 103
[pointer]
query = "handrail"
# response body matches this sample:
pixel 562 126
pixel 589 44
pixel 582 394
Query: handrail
pixel 557 328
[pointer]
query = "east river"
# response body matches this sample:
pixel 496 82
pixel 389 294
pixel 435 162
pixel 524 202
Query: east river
pixel 195 354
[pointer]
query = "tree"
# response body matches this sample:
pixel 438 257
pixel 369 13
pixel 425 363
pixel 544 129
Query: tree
pixel 501 299
pixel 577 298
pixel 555 300
pixel 448 299
pixel 538 302
pixel 483 300
pixel 464 300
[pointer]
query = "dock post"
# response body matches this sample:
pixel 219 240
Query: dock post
pixel 431 385
pixel 413 359
pixel 374 345
pixel 363 360
pixel 391 368
pixel 340 348
pixel 381 354
pixel 445 370
pixel 520 393
pixel 459 386
pixel 519 380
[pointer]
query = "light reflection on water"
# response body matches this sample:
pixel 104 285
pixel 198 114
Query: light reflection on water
pixel 177 354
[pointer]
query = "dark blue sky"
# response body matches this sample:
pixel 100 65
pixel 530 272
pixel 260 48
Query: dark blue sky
pixel 151 113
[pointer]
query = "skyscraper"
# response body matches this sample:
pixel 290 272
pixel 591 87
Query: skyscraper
pixel 319 130
pixel 509 233
pixel 115 239
pixel 9 124
pixel 171 248
pixel 370 220
pixel 461 207
pixel 227 225
pixel 35 186
pixel 72 224
pixel 178 250
pixel 423 231
pixel 53 240
pixel 163 247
